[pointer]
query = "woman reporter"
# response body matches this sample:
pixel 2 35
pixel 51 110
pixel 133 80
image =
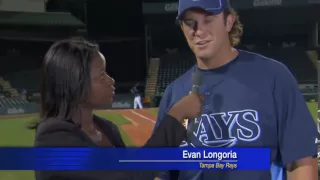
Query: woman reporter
pixel 74 82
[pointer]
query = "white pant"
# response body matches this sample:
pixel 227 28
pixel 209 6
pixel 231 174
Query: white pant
pixel 137 102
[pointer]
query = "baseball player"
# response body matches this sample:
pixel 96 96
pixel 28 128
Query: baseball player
pixel 137 102
pixel 250 100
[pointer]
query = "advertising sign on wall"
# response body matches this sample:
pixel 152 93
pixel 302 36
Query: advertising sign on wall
pixel 172 7
pixel 22 5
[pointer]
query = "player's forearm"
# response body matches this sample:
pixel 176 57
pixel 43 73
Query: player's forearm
pixel 303 169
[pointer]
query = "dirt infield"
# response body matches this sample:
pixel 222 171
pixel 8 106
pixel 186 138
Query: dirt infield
pixel 141 126
pixel 142 123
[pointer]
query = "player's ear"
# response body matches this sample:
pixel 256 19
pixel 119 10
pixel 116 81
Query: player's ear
pixel 180 23
pixel 229 22
pixel 183 28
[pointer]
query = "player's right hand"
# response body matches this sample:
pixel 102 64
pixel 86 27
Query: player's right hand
pixel 189 107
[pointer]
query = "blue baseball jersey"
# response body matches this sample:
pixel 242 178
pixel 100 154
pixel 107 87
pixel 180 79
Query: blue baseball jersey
pixel 253 101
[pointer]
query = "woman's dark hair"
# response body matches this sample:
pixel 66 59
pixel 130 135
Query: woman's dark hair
pixel 66 79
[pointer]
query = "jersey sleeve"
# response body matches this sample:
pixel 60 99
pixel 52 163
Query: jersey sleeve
pixel 164 106
pixel 297 131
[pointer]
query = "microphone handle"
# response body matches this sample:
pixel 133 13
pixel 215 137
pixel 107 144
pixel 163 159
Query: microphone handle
pixel 195 88
pixel 189 130
pixel 196 82
pixel 191 122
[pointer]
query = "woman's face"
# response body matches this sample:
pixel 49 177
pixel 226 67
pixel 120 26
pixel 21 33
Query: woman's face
pixel 102 85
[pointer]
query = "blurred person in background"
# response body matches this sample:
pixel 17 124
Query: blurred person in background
pixel 23 94
pixel 250 100
pixel 137 101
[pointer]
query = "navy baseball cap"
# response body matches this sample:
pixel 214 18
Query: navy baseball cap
pixel 211 6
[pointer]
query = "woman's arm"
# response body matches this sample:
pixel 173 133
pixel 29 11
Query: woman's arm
pixel 170 133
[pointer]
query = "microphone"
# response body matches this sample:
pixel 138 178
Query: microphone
pixel 196 83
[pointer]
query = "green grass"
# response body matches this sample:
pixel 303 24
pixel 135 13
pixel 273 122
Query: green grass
pixel 313 107
pixel 118 120
pixel 153 111
pixel 13 132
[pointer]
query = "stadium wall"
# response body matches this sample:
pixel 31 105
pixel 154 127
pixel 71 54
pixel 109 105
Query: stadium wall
pixel 122 101
pixel 23 5
pixel 20 109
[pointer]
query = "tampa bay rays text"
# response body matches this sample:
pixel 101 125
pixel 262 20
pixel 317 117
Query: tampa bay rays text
pixel 225 129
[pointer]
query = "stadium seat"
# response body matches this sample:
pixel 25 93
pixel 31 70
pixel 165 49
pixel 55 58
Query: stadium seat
pixel 171 67
pixel 296 59
pixel 28 79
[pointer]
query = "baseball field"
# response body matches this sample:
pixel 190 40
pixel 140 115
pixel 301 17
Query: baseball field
pixel 135 127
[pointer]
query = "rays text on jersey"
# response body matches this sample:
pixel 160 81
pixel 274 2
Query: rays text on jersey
pixel 225 129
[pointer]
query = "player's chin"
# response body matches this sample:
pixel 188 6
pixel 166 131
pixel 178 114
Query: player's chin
pixel 204 55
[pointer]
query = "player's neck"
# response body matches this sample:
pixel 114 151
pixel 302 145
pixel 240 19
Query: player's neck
pixel 224 56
